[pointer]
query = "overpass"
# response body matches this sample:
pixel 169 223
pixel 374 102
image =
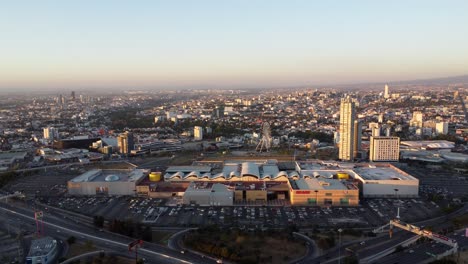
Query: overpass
pixel 16 194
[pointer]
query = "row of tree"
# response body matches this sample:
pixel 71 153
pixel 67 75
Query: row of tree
pixel 7 177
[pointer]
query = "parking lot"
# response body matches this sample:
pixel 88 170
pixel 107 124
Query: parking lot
pixel 411 210
pixel 446 183
pixel 157 212
pixel 44 183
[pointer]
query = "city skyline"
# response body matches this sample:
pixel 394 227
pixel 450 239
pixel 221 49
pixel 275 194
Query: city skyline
pixel 171 44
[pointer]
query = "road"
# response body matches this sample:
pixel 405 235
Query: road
pixel 174 243
pixel 383 242
pixel 61 228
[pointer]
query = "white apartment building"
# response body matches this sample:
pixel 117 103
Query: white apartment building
pixel 198 133
pixel 347 127
pixel 384 148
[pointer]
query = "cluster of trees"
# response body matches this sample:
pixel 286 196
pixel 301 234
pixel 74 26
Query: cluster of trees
pixel 234 245
pixel 324 241
pixel 7 177
pixel 408 103
pixel 327 242
pixel 128 118
pixel 309 135
pixel 98 221
pixel 131 229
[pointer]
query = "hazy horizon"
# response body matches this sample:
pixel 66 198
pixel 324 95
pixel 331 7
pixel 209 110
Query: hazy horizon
pixel 51 45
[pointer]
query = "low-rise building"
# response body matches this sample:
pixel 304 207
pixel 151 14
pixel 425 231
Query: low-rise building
pixel 43 250
pixel 324 192
pixel 106 182
pixel 208 193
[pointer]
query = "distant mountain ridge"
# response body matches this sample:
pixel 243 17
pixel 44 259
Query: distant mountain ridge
pixel 442 80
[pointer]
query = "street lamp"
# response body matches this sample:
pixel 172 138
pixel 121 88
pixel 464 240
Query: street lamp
pixel 339 245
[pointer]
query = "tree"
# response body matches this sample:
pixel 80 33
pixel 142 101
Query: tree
pixel 351 260
pixel 71 240
pixel 89 244
pixel 98 221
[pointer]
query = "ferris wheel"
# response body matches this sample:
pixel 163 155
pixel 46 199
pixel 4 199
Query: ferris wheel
pixel 265 140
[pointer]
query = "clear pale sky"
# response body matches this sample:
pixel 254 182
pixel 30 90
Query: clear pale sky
pixel 220 43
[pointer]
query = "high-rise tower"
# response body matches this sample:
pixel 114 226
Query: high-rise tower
pixel 125 142
pixel 347 127
pixel 386 92
pixel 198 133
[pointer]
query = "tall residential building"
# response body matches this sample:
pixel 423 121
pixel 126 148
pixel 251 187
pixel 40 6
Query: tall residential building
pixel 386 92
pixel 198 133
pixel 384 148
pixel 347 118
pixel 51 133
pixel 219 111
pixel 357 137
pixel 418 119
pixel 125 142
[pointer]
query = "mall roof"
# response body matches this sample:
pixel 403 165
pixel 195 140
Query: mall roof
pixel 323 184
pixel 430 144
pixel 381 173
pixel 232 170
pixel 187 169
pixel 98 175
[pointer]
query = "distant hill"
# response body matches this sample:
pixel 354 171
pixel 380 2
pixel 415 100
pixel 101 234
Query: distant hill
pixel 440 81
pixel 453 81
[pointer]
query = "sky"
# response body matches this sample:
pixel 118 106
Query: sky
pixel 228 44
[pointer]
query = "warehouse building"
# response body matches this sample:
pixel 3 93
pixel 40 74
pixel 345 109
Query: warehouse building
pixel 106 182
pixel 385 180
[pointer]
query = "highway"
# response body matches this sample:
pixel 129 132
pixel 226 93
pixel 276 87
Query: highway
pixel 61 228
pixel 382 242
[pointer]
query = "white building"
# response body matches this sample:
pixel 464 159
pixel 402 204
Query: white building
pixel 441 128
pixel 208 193
pixel 418 119
pixel 106 182
pixel 385 180
pixel 51 133
pixel 384 148
pixel 386 92
pixel 198 133
pixel 347 127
